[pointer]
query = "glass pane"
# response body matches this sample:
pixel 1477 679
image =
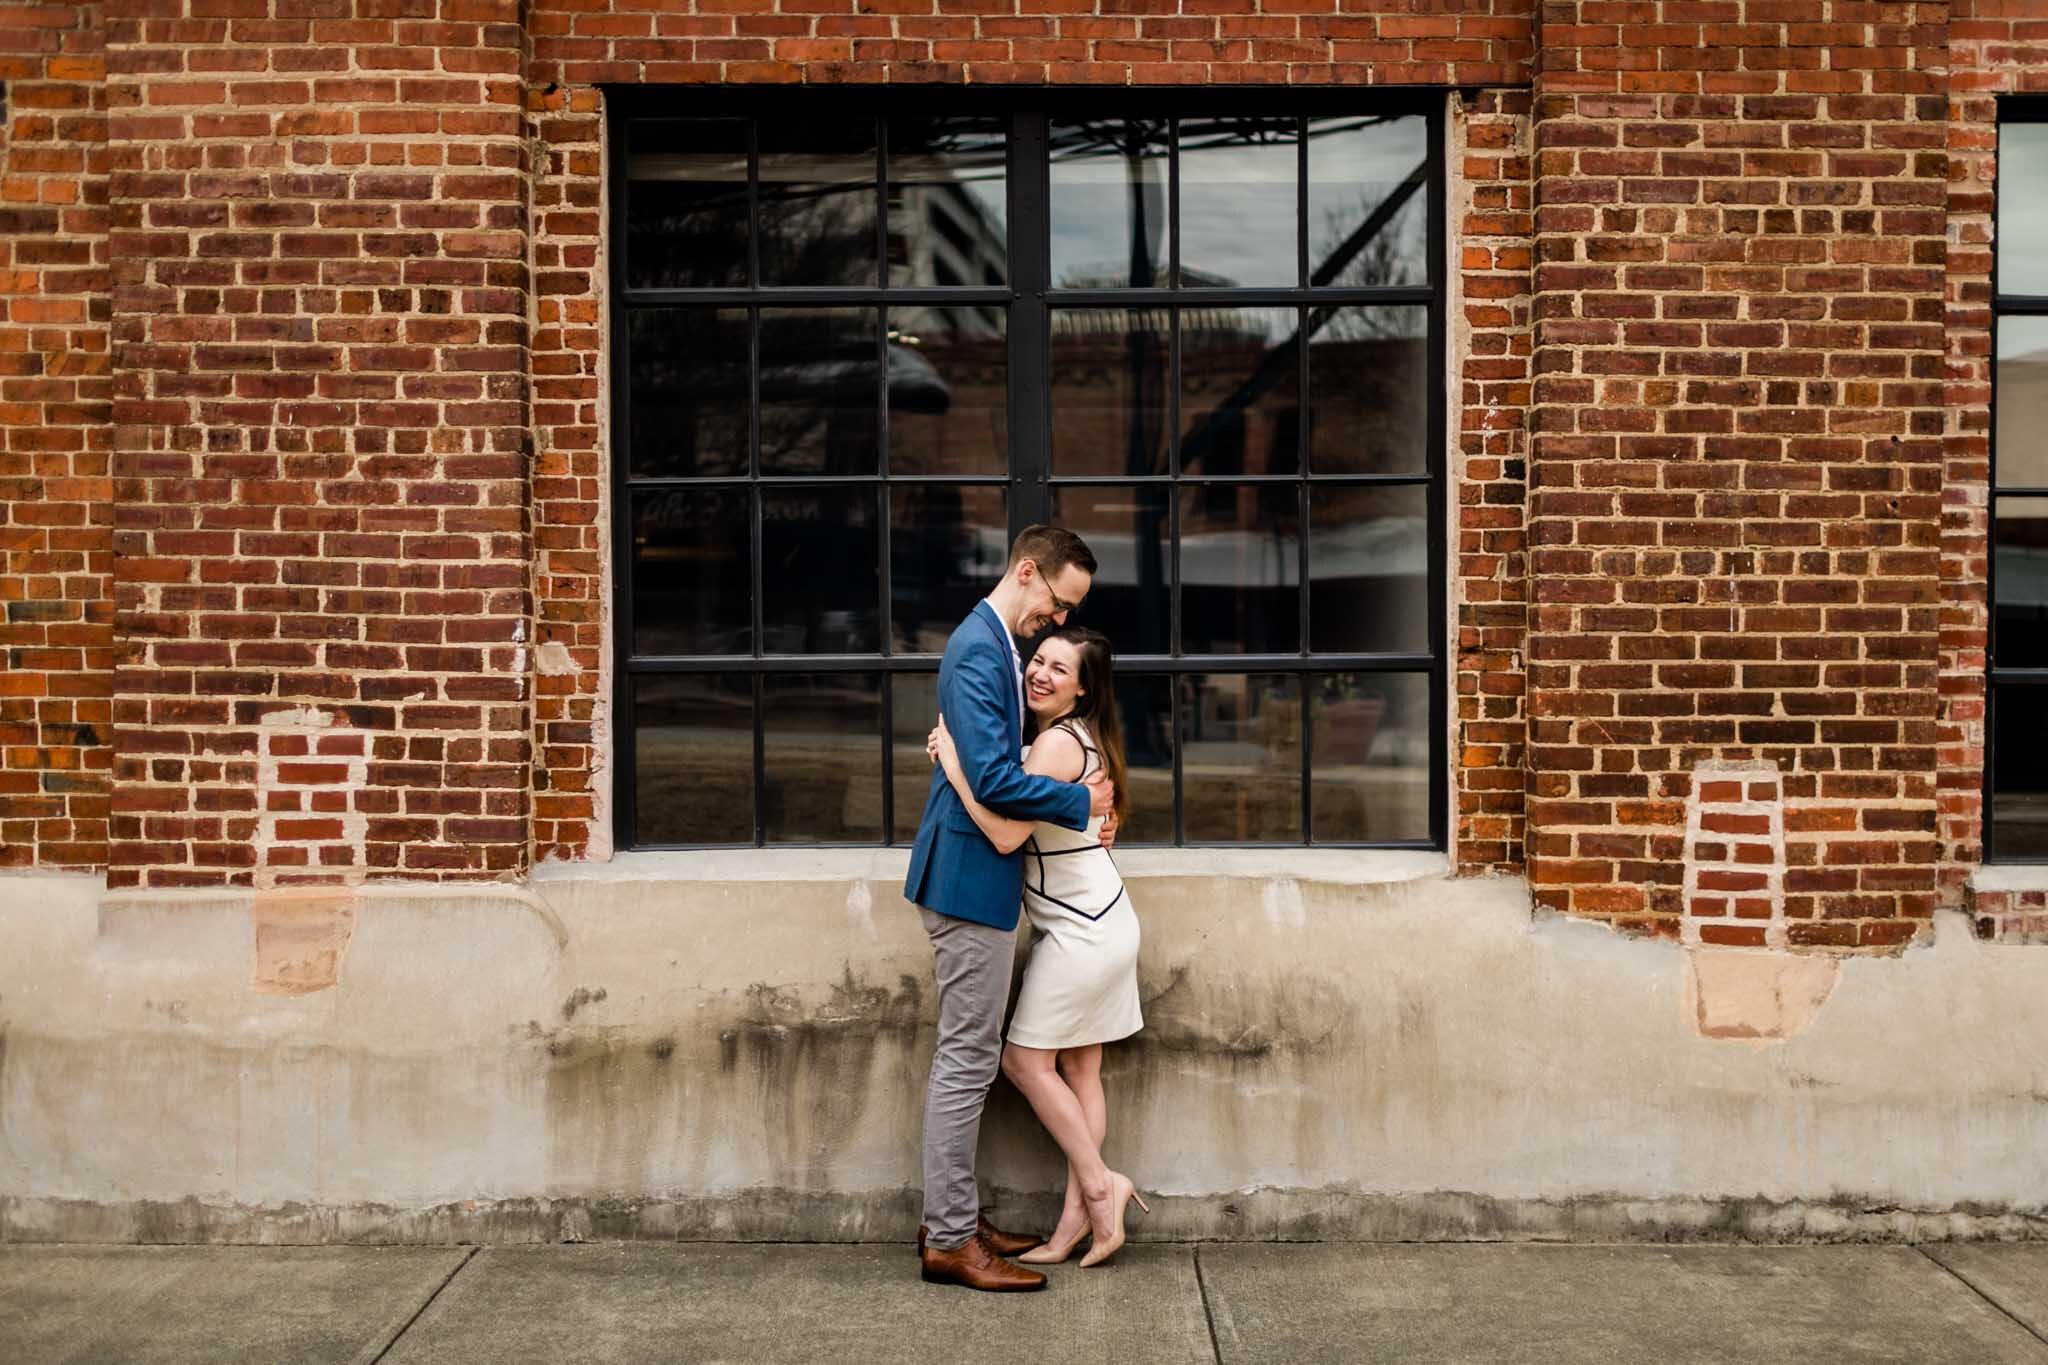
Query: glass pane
pixel 1240 391
pixel 686 205
pixel 2023 208
pixel 692 572
pixel 1237 202
pixel 949 395
pixel 1241 759
pixel 1127 530
pixel 821 589
pixel 818 195
pixel 821 758
pixel 1145 706
pixel 948 201
pixel 1368 569
pixel 1240 568
pixel 2020 442
pixel 687 377
pixel 1369 756
pixel 1367 219
pixel 2019 773
pixel 693 759
pixel 1109 203
pixel 1368 391
pixel 818 391
pixel 2019 582
pixel 1108 370
pixel 914 707
pixel 948 544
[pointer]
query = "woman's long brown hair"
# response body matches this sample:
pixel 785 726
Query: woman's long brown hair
pixel 1096 706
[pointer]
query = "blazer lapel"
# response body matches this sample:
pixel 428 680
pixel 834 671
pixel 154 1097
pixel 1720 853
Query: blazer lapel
pixel 1004 652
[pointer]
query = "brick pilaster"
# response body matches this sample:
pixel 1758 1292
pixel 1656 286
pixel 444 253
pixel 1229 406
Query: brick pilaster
pixel 320 319
pixel 1736 472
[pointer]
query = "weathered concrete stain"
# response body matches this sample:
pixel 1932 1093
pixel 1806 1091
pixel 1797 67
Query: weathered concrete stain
pixel 1418 1059
pixel 578 998
pixel 301 940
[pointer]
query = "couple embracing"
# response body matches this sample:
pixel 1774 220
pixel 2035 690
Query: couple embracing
pixel 1003 832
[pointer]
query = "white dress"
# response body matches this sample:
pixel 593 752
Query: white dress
pixel 1081 983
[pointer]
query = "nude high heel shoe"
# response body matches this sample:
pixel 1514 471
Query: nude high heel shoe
pixel 1052 1253
pixel 1122 1192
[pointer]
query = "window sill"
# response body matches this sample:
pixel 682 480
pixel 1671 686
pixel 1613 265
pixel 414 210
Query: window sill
pixel 1996 877
pixel 1344 866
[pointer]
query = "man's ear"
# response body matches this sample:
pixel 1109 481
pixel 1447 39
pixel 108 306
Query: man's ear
pixel 1025 569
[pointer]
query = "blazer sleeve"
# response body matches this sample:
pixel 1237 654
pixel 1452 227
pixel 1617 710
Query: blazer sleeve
pixel 972 701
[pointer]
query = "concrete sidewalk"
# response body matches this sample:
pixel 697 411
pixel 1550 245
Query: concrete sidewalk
pixel 1216 1302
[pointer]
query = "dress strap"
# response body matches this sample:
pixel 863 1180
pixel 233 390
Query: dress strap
pixel 1091 757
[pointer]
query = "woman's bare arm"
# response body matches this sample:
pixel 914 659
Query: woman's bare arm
pixel 1056 755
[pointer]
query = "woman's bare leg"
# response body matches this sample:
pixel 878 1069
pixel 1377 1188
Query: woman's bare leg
pixel 1032 1070
pixel 1081 1069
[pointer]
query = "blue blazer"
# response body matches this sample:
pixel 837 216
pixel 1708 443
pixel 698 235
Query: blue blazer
pixel 954 869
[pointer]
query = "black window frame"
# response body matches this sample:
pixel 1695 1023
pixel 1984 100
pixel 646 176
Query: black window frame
pixel 2010 110
pixel 1030 483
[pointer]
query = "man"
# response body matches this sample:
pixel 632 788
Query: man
pixel 970 894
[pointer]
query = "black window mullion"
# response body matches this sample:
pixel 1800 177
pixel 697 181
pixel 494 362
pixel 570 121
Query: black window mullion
pixel 625 782
pixel 1438 511
pixel 1030 325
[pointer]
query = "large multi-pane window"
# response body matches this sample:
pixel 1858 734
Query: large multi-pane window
pixel 2016 759
pixel 858 344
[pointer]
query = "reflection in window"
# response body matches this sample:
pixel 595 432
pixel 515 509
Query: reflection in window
pixel 2022 237
pixel 1241 759
pixel 1368 569
pixel 1109 371
pixel 687 184
pixel 949 391
pixel 1237 201
pixel 1369 752
pixel 1240 568
pixel 691 554
pixel 688 391
pixel 2019 768
pixel 821 741
pixel 1367 215
pixel 948 201
pixel 1240 391
pixel 819 388
pixel 817 201
pixel 948 544
pixel 820 575
pixel 1368 390
pixel 2019 577
pixel 1109 224
pixel 2021 412
pixel 693 758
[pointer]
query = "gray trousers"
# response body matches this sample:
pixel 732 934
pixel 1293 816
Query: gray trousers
pixel 973 963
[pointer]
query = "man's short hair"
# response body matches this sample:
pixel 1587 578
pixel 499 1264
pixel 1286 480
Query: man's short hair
pixel 1053 548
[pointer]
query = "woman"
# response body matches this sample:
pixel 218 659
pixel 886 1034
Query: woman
pixel 1081 985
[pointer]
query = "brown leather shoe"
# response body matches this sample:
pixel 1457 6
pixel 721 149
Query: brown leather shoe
pixel 1004 1243
pixel 976 1267
pixel 994 1238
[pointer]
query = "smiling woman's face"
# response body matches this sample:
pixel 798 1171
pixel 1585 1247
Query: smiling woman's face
pixel 1052 680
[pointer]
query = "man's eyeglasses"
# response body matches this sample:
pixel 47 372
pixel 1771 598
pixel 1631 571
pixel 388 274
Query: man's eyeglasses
pixel 1059 607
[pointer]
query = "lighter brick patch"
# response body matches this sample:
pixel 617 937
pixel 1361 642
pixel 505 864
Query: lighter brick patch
pixel 1735 856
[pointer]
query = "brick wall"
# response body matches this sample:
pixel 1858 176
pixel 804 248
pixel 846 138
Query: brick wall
pixel 320 321
pixel 1721 309
pixel 1994 49
pixel 1491 224
pixel 1734 504
pixel 56 608
pixel 1063 42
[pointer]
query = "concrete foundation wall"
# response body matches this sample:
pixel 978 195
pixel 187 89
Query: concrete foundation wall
pixel 683 1046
